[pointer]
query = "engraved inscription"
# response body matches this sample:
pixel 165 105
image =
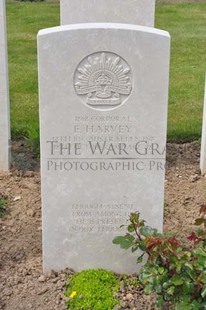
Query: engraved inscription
pixel 100 217
pixel 103 80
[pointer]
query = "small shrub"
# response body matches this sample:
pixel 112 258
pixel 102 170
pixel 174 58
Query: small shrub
pixel 92 289
pixel 174 271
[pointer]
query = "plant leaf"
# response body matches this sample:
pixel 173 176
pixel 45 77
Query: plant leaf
pixel 125 242
pixel 147 231
pixel 135 248
pixel 140 259
pixel 130 228
pixel 199 221
pixel 148 289
pixel 203 293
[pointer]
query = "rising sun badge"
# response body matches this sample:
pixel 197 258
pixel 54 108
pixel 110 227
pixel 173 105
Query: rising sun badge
pixel 103 80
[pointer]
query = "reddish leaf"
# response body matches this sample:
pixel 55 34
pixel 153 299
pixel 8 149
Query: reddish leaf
pixel 154 242
pixel 174 241
pixel 194 237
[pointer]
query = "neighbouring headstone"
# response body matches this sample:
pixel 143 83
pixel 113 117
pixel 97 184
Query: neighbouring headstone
pixel 203 142
pixel 138 12
pixel 103 91
pixel 4 94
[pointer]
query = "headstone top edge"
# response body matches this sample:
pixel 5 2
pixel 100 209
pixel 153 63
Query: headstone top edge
pixel 103 26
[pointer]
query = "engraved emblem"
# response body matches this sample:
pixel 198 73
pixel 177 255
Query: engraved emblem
pixel 103 80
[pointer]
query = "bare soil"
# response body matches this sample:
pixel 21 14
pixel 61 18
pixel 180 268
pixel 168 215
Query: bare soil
pixel 22 284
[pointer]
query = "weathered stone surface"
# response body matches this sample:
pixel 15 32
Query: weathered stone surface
pixel 138 12
pixel 103 117
pixel 4 94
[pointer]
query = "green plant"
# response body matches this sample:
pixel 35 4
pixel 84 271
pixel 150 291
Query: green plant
pixel 174 270
pixel 92 289
pixel 3 206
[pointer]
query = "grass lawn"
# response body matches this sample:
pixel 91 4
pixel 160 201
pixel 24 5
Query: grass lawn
pixel 186 23
pixel 24 20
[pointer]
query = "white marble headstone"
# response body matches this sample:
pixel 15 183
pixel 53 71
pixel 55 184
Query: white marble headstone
pixel 203 142
pixel 138 12
pixel 4 94
pixel 103 91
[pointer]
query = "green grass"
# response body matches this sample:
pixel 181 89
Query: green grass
pixel 24 20
pixel 3 207
pixel 186 23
